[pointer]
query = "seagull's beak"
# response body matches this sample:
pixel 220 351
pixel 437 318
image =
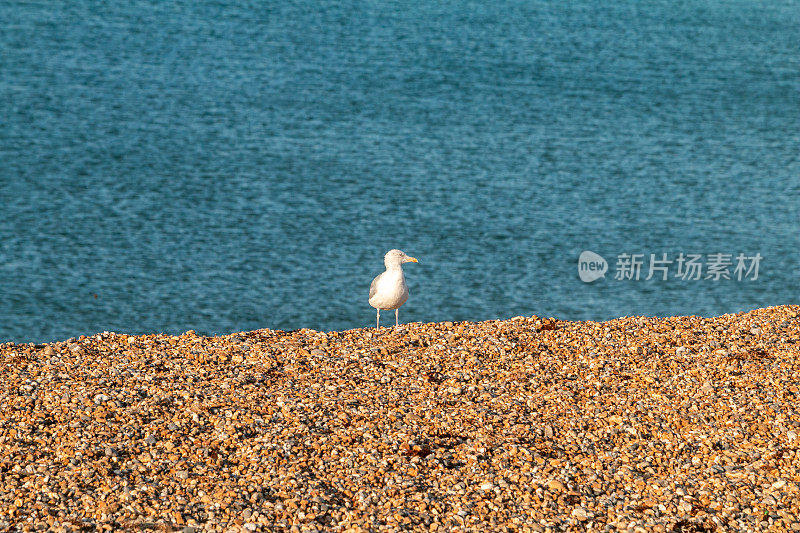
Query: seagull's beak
pixel 411 260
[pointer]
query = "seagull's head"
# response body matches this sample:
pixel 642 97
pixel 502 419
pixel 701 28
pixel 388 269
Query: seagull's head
pixel 397 258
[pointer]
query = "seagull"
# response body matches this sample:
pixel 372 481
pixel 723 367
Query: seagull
pixel 389 290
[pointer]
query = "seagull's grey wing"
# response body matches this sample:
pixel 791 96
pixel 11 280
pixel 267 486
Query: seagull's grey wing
pixel 373 288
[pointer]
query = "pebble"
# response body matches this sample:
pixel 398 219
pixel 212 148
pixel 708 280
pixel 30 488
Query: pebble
pixel 529 424
pixel 580 513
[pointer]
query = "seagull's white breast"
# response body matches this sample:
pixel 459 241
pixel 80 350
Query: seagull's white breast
pixel 391 290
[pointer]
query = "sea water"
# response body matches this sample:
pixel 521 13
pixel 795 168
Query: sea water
pixel 225 166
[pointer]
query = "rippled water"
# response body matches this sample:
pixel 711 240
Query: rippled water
pixel 225 166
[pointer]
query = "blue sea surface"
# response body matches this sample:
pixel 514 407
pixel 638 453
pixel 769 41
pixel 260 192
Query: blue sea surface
pixel 225 166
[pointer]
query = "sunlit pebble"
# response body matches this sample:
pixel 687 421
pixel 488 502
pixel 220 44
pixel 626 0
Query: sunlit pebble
pixel 531 423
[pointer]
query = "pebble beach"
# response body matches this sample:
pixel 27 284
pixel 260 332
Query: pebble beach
pixel 527 424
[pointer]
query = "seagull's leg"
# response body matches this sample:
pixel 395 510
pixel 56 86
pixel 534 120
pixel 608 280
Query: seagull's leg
pixel 396 319
pixel 378 325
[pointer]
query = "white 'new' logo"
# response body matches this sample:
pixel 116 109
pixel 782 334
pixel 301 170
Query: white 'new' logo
pixel 591 266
